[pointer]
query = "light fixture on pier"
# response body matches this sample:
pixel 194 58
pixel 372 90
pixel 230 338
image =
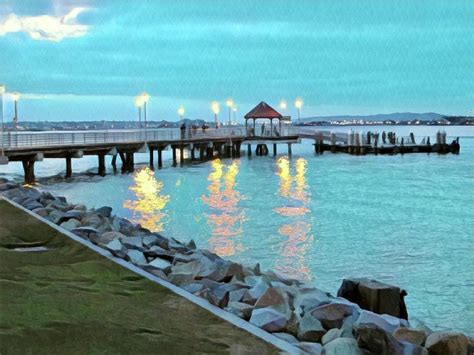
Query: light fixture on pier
pixel 181 112
pixel 283 104
pixel 145 99
pixel 16 98
pixel 234 110
pixel 229 103
pixel 299 105
pixel 138 102
pixel 215 108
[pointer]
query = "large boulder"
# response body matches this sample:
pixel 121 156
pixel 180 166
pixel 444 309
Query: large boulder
pixel 307 299
pixel 414 336
pixel 158 264
pixel 268 319
pixel 116 248
pixel 447 343
pixel 133 243
pixel 342 346
pixel 242 310
pixel 386 322
pixel 332 315
pixel 136 257
pixel 254 293
pixel 375 296
pixel 274 298
pixel 104 211
pixel 159 252
pixel 310 329
pixel 158 240
pixel 310 348
pixel 70 224
pixel 332 334
pixel 378 341
pixel 107 237
pixel 85 232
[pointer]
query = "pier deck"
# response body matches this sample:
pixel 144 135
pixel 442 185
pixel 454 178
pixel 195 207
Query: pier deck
pixel 30 147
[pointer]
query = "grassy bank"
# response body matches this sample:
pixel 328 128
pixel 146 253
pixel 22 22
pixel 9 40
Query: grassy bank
pixel 70 300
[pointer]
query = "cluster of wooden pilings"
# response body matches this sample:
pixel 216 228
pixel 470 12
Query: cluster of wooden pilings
pixel 386 143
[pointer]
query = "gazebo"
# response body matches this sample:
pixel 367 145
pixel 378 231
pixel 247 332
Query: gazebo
pixel 263 111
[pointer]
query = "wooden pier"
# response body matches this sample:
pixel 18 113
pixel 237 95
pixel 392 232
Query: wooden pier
pixel 199 145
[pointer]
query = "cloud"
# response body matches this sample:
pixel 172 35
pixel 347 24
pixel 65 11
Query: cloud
pixel 46 27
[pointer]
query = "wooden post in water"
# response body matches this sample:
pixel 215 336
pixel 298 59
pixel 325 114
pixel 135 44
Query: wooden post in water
pixel 152 165
pixel 114 162
pixel 101 161
pixel 181 155
pixel 274 149
pixel 289 149
pixel 192 153
pixel 173 148
pixel 123 158
pixel 249 150
pixel 160 157
pixel 68 168
pixel 237 149
pixel 29 170
pixel 202 151
pixel 131 162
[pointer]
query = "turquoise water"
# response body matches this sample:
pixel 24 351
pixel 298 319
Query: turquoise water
pixel 407 220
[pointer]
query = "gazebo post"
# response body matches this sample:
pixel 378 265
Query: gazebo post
pixel 254 132
pixel 271 127
pixel 279 126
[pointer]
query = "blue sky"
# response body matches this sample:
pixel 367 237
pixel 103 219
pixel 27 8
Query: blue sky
pixel 86 59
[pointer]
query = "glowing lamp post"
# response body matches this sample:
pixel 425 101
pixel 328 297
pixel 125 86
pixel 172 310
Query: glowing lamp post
pixel 138 102
pixel 299 105
pixel 215 108
pixel 234 109
pixel 15 97
pixel 283 104
pixel 145 99
pixel 181 112
pixel 229 103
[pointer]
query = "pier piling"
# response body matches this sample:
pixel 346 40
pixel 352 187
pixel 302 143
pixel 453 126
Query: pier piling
pixel 160 157
pixel 68 168
pixel 101 161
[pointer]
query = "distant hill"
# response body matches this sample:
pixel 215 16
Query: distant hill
pixel 397 116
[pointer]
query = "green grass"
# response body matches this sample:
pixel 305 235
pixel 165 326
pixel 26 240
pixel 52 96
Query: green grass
pixel 71 300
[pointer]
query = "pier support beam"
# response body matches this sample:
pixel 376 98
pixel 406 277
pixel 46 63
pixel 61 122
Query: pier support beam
pixel 181 155
pixel 68 168
pixel 249 150
pixel 192 154
pixel 289 149
pixel 152 165
pixel 237 149
pixel 101 160
pixel 114 162
pixel 274 149
pixel 29 170
pixel 160 158
pixel 174 156
pixel 202 152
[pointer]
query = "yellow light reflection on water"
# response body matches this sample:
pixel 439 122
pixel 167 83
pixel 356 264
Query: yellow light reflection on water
pixel 293 189
pixel 226 217
pixel 148 207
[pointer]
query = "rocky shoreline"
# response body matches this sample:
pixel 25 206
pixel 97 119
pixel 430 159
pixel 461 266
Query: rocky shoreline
pixel 294 311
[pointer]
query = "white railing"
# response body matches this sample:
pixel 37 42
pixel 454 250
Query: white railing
pixel 18 140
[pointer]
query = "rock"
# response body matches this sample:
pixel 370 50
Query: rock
pixel 253 294
pixel 388 323
pixel 70 224
pixel 42 212
pixel 311 348
pixel 223 271
pixel 55 216
pixel 158 252
pixel 310 298
pixel 116 248
pixel 237 295
pixel 375 296
pixel 378 341
pixel 133 243
pixel 198 269
pixel 8 186
pixel 332 315
pixel 310 329
pixel 242 310
pixel 175 245
pixel 85 232
pixel 106 237
pixel 156 240
pixel 191 245
pixel 136 257
pixel 34 205
pixel 275 299
pixel 159 264
pixel 80 207
pixel 268 319
pixel 104 211
pixel 446 343
pixel 342 346
pixel 413 336
pixel 72 214
pixel 194 287
pixel 286 337
pixel 331 335
pixel 293 323
pixel 180 279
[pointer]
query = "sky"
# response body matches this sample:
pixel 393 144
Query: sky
pixel 87 59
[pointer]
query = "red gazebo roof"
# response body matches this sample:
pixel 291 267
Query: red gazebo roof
pixel 263 110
